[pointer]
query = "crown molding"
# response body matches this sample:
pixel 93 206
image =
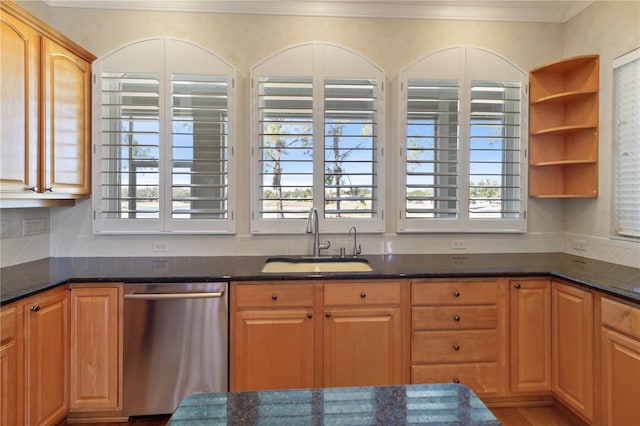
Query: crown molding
pixel 557 11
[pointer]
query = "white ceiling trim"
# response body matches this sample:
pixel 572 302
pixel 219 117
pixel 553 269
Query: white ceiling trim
pixel 558 11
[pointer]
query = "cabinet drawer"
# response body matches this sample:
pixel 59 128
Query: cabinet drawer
pixel 359 294
pixel 481 378
pixel 455 293
pixel 454 317
pixel 622 317
pixel 273 296
pixel 441 347
pixel 7 325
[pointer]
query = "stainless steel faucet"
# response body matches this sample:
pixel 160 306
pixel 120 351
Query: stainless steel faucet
pixel 312 226
pixel 356 247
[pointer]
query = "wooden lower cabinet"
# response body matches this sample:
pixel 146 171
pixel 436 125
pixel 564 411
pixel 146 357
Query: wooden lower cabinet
pixel 11 368
pixel 273 349
pixel 619 363
pixel 361 347
pixel 572 343
pixel 530 336
pixel 46 345
pixel 96 350
pixel 316 334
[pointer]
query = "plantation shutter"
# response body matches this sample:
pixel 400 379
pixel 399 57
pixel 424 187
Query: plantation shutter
pixel 626 135
pixel 350 144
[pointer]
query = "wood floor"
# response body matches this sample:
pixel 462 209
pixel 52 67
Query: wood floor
pixel 518 416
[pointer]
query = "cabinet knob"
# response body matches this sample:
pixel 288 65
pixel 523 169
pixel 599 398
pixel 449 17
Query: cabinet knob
pixel 456 347
pixel 35 308
pixel 274 297
pixel 309 315
pixel 456 380
pixel 327 314
pixel 32 188
pixel 456 294
pixel 456 318
pixel 363 295
pixel 49 189
pixel 517 285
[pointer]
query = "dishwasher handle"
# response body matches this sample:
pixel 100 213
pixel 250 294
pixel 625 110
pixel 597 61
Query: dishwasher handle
pixel 170 296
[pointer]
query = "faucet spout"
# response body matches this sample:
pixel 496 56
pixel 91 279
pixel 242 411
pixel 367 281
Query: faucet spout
pixel 356 247
pixel 313 227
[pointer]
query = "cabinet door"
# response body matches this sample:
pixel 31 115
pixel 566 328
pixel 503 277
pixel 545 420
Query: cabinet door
pixel 572 321
pixel 272 349
pixel 362 347
pixel 67 112
pixel 19 63
pixel 530 303
pixel 96 361
pixel 46 319
pixel 11 371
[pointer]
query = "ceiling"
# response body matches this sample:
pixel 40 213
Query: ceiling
pixel 557 11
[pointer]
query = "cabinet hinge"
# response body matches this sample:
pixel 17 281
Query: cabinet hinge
pixel 526 153
pixel 525 215
pixel 382 86
pixel 401 86
pixel 233 83
pixel 94 215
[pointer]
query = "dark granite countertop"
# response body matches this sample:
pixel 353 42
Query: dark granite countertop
pixel 384 405
pixel 19 281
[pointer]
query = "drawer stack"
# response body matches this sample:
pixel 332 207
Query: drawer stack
pixel 455 334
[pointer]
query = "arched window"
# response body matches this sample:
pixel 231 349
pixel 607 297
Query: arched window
pixel 163 137
pixel 317 140
pixel 463 124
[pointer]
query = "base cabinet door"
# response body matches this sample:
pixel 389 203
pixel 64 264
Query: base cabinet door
pixel 273 349
pixel 46 326
pixel 96 350
pixel 572 320
pixel 620 363
pixel 11 371
pixel 530 304
pixel 361 347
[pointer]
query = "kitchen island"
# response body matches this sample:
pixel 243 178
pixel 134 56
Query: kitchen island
pixel 451 404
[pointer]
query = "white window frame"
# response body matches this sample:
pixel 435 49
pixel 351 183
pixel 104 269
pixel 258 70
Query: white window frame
pixel 626 156
pixel 165 56
pixel 319 61
pixel 465 64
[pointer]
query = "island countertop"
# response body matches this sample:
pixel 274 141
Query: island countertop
pixel 22 280
pixel 448 403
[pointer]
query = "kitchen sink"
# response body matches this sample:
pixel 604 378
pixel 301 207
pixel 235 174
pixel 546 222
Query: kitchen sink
pixel 304 264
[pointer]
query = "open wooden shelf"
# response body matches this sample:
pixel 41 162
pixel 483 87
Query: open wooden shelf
pixel 563 129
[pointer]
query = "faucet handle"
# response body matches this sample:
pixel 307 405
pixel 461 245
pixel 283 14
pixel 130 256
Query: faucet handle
pixel 357 251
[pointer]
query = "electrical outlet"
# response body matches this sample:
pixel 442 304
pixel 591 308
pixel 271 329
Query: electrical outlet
pixel 160 246
pixel 580 245
pixel 5 231
pixel 35 226
pixel 458 245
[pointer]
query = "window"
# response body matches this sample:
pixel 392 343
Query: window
pixel 317 114
pixel 163 140
pixel 626 142
pixel 462 159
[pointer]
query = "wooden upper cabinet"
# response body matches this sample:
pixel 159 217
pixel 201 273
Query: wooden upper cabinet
pixel 19 62
pixel 563 129
pixel 67 116
pixel 45 111
pixel 530 334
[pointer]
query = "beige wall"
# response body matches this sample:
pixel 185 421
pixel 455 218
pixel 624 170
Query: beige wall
pixel 244 40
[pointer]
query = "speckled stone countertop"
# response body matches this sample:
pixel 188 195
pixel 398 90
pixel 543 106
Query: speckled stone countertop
pixel 22 280
pixel 441 404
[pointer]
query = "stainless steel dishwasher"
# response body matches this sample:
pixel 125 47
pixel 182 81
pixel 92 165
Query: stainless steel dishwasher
pixel 175 344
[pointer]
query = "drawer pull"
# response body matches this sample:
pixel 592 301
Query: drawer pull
pixel 363 295
pixel 274 297
pixel 456 347
pixel 456 294
pixel 309 315
pixel 327 314
pixel 517 285
pixel 35 308
pixel 456 318
pixel 456 380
